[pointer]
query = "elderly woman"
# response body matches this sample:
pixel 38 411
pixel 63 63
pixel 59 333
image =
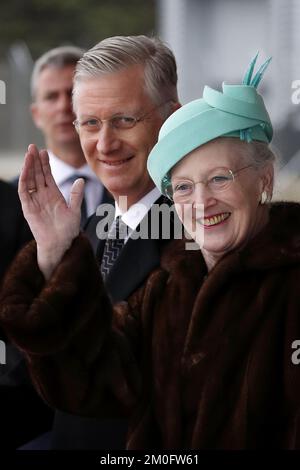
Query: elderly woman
pixel 204 354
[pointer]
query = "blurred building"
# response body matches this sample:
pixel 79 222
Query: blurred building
pixel 215 40
pixel 287 185
pixel 16 127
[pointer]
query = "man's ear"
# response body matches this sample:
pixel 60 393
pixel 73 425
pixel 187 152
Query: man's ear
pixel 176 105
pixel 34 110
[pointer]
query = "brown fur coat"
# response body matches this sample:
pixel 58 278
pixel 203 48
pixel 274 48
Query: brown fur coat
pixel 196 361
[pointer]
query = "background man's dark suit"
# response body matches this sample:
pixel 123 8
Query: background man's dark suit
pixel 14 231
pixel 22 413
pixel 135 262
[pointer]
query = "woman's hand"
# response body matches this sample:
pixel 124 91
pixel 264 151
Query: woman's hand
pixel 54 223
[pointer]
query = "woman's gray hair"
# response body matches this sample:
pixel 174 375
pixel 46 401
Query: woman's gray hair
pixel 254 153
pixel 259 153
pixel 58 57
pixel 119 52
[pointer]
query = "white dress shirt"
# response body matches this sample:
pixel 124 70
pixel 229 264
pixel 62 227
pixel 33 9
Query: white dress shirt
pixel 134 215
pixel 61 172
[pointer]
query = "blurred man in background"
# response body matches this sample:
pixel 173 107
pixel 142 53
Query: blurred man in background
pixel 52 113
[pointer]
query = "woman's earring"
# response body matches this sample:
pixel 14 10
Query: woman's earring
pixel 265 198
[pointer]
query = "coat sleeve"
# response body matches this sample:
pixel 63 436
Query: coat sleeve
pixel 81 354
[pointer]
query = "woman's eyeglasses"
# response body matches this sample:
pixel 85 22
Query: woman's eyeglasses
pixel 219 180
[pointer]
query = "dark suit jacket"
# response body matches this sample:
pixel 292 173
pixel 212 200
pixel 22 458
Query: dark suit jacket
pixel 136 261
pixel 14 231
pixel 22 413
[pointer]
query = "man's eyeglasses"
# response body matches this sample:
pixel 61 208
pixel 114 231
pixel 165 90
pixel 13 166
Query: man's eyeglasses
pixel 119 122
pixel 219 180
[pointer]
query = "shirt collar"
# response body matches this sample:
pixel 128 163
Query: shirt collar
pixel 61 170
pixel 134 215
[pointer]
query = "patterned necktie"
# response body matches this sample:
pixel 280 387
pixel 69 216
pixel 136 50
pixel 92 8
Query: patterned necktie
pixel 113 245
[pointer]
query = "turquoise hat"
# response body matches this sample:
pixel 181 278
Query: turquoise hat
pixel 238 111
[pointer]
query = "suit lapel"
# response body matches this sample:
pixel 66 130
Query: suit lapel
pixel 90 228
pixel 136 261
